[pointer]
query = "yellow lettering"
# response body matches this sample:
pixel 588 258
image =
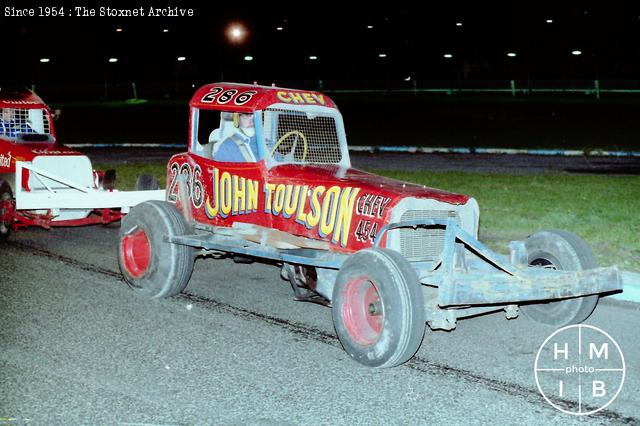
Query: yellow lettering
pixel 301 216
pixel 213 211
pixel 308 98
pixel 319 98
pixel 329 208
pixel 225 194
pixel 314 216
pixel 278 199
pixel 268 190
pixel 296 98
pixel 252 195
pixel 291 200
pixel 239 200
pixel 345 213
pixel 283 96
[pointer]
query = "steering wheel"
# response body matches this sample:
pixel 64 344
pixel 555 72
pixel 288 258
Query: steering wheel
pixel 290 155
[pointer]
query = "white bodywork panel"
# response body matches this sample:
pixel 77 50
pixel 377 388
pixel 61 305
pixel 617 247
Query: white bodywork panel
pixel 76 168
pixel 68 198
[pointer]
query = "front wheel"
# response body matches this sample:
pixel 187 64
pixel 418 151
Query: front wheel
pixel 555 249
pixel 153 267
pixel 378 308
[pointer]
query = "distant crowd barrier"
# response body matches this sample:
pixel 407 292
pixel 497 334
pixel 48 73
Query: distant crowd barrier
pixel 514 88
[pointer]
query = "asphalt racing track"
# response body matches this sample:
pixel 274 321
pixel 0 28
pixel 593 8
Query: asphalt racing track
pixel 234 348
pixel 77 347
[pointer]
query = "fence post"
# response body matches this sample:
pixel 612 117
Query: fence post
pixel 513 88
pixel 597 86
pixel 415 87
pixel 135 91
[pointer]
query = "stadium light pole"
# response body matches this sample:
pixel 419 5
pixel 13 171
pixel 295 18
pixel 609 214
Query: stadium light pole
pixel 111 60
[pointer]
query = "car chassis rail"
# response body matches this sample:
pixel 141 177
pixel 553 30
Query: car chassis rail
pixel 72 195
pixel 467 273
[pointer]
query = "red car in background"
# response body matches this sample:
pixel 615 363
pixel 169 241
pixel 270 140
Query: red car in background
pixel 42 182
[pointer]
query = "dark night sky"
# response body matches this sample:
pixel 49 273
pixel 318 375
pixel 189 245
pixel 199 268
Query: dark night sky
pixel 413 39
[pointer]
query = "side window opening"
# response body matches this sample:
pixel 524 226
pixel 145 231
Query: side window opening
pixel 225 136
pixel 206 132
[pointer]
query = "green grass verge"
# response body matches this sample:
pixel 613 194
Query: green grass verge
pixel 127 173
pixel 601 209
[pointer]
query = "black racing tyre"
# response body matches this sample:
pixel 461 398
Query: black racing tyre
pixel 7 210
pixel 153 267
pixel 557 249
pixel 378 308
pixel 147 182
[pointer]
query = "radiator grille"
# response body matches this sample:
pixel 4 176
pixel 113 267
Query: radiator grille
pixel 424 244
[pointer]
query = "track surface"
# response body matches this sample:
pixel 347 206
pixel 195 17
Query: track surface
pixel 77 347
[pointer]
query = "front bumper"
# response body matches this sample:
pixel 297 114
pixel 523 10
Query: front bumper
pixel 469 273
pixel 531 285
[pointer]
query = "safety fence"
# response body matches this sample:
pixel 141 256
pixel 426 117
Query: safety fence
pixel 591 89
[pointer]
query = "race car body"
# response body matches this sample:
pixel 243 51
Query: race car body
pixel 301 181
pixel 267 175
pixel 42 182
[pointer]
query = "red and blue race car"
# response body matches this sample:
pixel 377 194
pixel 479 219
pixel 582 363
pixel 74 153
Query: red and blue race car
pixel 267 175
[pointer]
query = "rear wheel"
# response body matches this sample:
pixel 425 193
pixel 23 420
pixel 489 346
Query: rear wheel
pixel 153 267
pixel 7 211
pixel 378 308
pixel 556 249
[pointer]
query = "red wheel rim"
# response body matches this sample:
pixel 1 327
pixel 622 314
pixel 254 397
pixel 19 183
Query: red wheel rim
pixel 362 311
pixel 136 253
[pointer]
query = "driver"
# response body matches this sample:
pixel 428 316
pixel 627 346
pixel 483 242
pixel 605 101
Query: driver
pixel 11 126
pixel 241 146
